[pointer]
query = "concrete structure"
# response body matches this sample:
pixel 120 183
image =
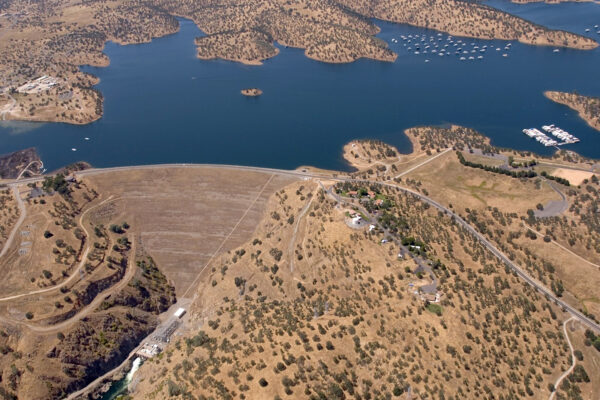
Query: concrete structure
pixel 180 312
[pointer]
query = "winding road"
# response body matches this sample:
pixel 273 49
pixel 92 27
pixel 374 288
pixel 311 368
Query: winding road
pixel 75 273
pixel 303 173
pixel 341 178
pixel 573 361
pixel 487 244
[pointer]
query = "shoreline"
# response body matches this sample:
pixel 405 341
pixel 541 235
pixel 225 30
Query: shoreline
pixel 370 47
pixel 583 105
pixel 415 134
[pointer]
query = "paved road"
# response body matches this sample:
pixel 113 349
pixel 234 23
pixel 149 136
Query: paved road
pixel 554 207
pixel 486 243
pixel 573 361
pixel 304 173
pixel 41 167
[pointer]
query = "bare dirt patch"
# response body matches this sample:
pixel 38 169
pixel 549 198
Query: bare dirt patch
pixel 184 214
pixel 575 177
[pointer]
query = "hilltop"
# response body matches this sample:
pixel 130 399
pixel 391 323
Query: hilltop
pixel 587 107
pixel 460 270
pixel 44 44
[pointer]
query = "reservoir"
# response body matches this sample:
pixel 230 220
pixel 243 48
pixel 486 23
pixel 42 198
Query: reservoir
pixel 163 105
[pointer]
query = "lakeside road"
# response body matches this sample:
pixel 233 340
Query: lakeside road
pixel 305 173
pixel 501 256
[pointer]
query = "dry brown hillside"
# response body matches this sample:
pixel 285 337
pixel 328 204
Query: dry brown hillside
pixel 50 40
pixel 311 307
pixel 587 107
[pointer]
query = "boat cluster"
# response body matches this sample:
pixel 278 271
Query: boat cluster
pixel 564 136
pixel 447 46
pixel 540 137
pixel 596 28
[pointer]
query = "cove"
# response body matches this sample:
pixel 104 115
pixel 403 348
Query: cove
pixel 163 105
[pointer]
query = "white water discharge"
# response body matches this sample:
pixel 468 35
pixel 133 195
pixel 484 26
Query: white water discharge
pixel 119 387
pixel 134 367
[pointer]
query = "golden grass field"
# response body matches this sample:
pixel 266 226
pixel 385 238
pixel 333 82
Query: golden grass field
pixel 284 298
pixel 203 212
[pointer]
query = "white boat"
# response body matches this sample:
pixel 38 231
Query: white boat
pixel 555 50
pixel 73 149
pixel 462 59
pixel 426 61
pixel 504 55
pixel 563 135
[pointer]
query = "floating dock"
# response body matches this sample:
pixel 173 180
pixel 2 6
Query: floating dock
pixel 563 136
pixel 540 137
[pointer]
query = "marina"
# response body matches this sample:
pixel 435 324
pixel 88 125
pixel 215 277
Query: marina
pixel 564 136
pixel 181 112
pixel 540 137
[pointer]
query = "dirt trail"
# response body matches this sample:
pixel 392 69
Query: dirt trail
pixel 129 274
pixel 573 362
pixel 561 246
pixel 422 163
pixel 75 273
pixel 22 215
pixel 8 108
pixel 293 239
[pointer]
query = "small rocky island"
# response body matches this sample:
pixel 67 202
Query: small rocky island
pixel 252 92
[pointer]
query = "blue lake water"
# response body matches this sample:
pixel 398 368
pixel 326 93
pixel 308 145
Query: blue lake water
pixel 164 105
